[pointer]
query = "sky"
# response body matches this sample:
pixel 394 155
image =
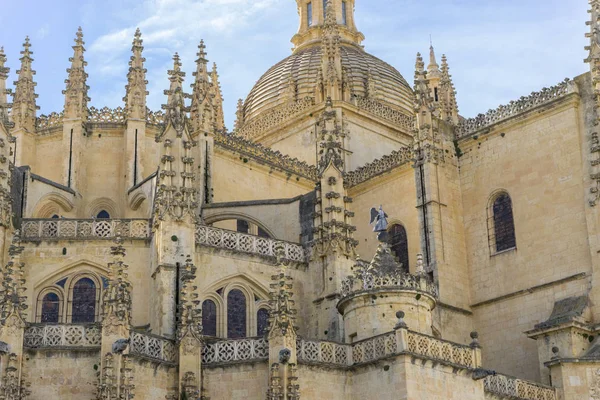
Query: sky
pixel 498 50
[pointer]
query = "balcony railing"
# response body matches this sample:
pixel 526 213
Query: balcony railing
pixel 441 350
pixel 153 347
pixel 317 352
pixel 235 350
pixel 513 388
pixel 80 229
pixel 224 239
pixel 62 336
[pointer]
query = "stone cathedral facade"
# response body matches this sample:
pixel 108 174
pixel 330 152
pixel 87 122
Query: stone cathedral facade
pixel 156 255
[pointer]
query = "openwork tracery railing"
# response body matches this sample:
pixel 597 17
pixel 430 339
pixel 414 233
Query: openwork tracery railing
pixel 525 103
pixel 441 350
pixel 63 335
pixel 33 229
pixel 318 352
pixel 374 348
pixel 224 239
pixel 513 388
pixel 235 350
pixel 153 347
pixel 386 112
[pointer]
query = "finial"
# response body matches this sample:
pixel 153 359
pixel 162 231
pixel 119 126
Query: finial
pixel 400 324
pixel 137 38
pixel 79 37
pixel 475 343
pixel 201 51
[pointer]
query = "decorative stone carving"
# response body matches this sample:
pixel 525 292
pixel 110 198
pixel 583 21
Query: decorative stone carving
pixel 447 95
pixel 12 286
pixel 282 314
pixel 24 105
pixel 189 330
pixel 471 126
pixel 107 115
pixel 116 298
pixel 595 385
pixel 4 104
pixel 13 387
pixel 135 91
pixel 380 109
pixel 265 155
pixel 153 347
pixel 594 61
pixel 206 109
pixel 257 127
pixel 107 384
pixel 52 120
pixel 76 93
pixel 234 350
pixel 378 167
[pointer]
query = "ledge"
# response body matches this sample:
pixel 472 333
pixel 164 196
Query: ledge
pixel 35 177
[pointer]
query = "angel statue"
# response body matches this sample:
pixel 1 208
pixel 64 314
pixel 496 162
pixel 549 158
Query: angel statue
pixel 381 224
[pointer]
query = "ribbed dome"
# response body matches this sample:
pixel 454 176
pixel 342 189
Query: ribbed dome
pixel 303 68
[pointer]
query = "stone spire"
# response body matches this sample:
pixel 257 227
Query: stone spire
pixel 332 61
pixel 218 99
pixel 239 115
pixel 24 107
pixel 76 92
pixel 116 298
pixel 424 103
pixel 13 303
pixel 202 109
pixel 593 60
pixel 175 108
pixel 135 91
pixel 433 69
pixel 282 315
pixel 4 104
pixel 190 313
pixel 447 94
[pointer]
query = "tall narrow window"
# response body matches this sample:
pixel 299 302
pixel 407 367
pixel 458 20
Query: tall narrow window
pixel 436 94
pixel 83 306
pixel 209 318
pixel 344 15
pixel 504 224
pixel 262 321
pixel 324 9
pixel 236 314
pixel 50 308
pixel 243 226
pixel 309 13
pixel 398 241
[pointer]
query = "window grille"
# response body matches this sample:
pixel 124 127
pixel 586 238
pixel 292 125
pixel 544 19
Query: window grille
pixel 209 318
pixel 398 241
pixel 236 314
pixel 50 308
pixel 501 225
pixel 83 303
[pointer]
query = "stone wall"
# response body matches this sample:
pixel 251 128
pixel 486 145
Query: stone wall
pixel 152 381
pixel 60 374
pixel 236 382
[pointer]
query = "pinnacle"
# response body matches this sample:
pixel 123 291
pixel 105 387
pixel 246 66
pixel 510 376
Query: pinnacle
pixel 201 51
pixel 26 52
pixel 137 38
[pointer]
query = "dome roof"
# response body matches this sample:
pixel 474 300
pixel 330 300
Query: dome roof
pixel 303 68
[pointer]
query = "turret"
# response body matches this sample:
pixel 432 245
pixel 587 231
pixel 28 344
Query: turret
pixel 202 112
pixel 76 92
pixel 313 18
pixel 4 104
pixel 24 105
pixel 135 107
pixel 434 75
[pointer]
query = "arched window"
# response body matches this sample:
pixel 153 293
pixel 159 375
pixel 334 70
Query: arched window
pixel 50 308
pixel 103 215
pixel 502 234
pixel 236 314
pixel 262 321
pixel 398 241
pixel 209 318
pixel 83 303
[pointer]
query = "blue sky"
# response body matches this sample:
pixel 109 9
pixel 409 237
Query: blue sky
pixel 498 50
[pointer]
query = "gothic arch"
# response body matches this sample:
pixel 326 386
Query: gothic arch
pixel 103 204
pixel 52 204
pixel 501 222
pixel 40 298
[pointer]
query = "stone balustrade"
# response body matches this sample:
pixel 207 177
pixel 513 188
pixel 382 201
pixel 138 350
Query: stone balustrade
pixel 503 386
pixel 369 281
pixel 441 350
pixel 224 239
pixel 471 126
pixel 318 352
pixel 375 348
pixel 153 347
pixel 49 336
pixel 235 350
pixel 84 229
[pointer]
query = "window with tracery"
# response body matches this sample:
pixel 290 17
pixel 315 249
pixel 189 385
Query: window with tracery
pixel 398 241
pixel 262 321
pixel 83 303
pixel 50 308
pixel 502 235
pixel 209 318
pixel 236 314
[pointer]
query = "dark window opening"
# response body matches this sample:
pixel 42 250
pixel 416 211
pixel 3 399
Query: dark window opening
pixel 324 9
pixel 309 14
pixel 83 306
pixel 344 17
pixel 236 314
pixel 398 241
pixel 243 226
pixel 209 318
pixel 103 215
pixel 435 93
pixel 504 224
pixel 50 309
pixel 55 216
pixel 262 322
pixel 263 233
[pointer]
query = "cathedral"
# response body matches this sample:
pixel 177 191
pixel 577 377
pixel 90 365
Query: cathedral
pixel 351 237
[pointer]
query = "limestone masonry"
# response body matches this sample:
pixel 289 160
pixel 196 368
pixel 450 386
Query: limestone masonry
pixel 155 255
